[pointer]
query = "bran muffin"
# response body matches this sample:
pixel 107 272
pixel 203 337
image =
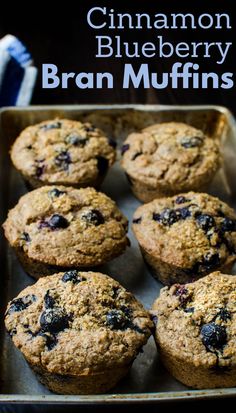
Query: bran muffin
pixel 79 331
pixel 53 228
pixel 196 331
pixel 168 158
pixel 63 152
pixel 187 236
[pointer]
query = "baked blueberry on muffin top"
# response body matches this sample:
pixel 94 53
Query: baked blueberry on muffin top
pixel 186 236
pixel 62 227
pixel 167 158
pixel 63 152
pixel 79 331
pixel 196 331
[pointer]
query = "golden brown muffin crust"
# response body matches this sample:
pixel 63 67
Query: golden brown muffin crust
pixel 64 226
pixel 192 231
pixel 171 156
pixel 196 322
pixel 77 323
pixel 63 151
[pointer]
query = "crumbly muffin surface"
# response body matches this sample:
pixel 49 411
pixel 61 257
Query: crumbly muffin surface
pixel 193 231
pixel 173 155
pixel 65 226
pixel 196 322
pixel 63 151
pixel 77 323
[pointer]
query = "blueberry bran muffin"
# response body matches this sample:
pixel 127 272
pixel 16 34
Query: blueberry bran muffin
pixel 187 236
pixel 196 331
pixel 63 152
pixel 167 158
pixel 79 331
pixel 53 228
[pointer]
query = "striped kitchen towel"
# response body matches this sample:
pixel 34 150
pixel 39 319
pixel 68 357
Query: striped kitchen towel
pixel 17 73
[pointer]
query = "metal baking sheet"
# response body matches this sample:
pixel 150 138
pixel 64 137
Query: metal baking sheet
pixel 147 381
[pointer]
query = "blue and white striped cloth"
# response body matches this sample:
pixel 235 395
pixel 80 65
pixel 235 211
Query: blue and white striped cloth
pixel 17 73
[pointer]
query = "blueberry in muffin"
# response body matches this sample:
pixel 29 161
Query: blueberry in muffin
pixel 63 152
pixel 79 331
pixel 168 158
pixel 195 331
pixel 187 236
pixel 53 228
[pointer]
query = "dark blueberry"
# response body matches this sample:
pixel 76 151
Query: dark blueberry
pixel 43 224
pixel 126 310
pixel 54 320
pixel 189 310
pixel 181 290
pixel 205 221
pixel 213 336
pixel 168 217
pixel 181 199
pixel 19 304
pixel 137 220
pixel 12 332
pixel 136 328
pixel 29 147
pixel 136 155
pixel 25 237
pixel 124 148
pixel 183 213
pixel 117 320
pixel 51 341
pixel 191 142
pixel 73 276
pixel 63 160
pixel 115 291
pixel 211 260
pixel 49 301
pixel 89 128
pixel 224 314
pixel 182 293
pixel 154 319
pixel 228 225
pixel 39 171
pixel 33 333
pixel 58 221
pixel 94 216
pixel 112 142
pixel 54 125
pixel 55 193
pixel 76 140
pixel 129 179
pixel 102 165
pixel 156 216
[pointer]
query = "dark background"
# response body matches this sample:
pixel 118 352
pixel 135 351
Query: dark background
pixel 63 37
pixel 59 34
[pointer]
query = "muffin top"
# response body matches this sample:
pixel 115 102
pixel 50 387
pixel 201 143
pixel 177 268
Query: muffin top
pixel 77 323
pixel 65 226
pixel 63 151
pixel 170 154
pixel 193 231
pixel 197 322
